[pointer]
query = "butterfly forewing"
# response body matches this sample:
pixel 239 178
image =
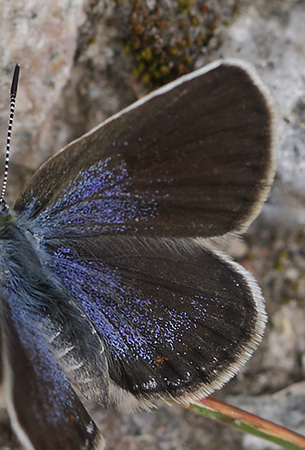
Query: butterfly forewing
pixel 192 159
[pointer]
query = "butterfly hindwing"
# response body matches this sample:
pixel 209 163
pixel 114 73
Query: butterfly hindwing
pixel 177 319
pixel 191 159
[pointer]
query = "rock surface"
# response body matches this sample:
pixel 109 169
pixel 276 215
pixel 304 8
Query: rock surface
pixel 74 74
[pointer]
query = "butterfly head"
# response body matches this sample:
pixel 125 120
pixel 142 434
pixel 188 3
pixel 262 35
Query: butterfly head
pixel 5 213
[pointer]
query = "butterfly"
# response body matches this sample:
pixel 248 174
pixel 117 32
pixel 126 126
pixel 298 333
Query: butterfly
pixel 106 292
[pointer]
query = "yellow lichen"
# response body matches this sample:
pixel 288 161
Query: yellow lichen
pixel 166 39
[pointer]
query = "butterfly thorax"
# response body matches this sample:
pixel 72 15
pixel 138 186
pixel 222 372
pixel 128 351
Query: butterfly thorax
pixel 26 285
pixel 14 249
pixel 22 279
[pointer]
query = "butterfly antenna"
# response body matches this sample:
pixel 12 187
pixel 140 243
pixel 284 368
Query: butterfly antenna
pixel 3 205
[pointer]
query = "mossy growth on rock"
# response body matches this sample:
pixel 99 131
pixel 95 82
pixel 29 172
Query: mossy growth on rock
pixel 165 38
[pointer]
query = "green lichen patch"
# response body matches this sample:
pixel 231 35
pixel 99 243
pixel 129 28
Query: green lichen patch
pixel 165 38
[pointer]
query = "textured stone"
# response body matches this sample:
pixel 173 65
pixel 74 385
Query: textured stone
pixel 42 37
pixel 270 35
pixel 74 74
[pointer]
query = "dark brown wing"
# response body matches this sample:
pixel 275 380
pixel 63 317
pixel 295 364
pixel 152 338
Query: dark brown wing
pixel 193 158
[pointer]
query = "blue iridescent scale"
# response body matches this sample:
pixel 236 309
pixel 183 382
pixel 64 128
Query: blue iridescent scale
pixel 47 371
pixel 131 323
pixel 97 200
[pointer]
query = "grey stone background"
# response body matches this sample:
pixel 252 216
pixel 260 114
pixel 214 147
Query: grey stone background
pixel 75 73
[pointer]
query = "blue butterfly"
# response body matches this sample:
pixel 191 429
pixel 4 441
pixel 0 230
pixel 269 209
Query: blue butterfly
pixel 105 295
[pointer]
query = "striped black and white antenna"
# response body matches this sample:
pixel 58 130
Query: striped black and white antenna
pixel 3 205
